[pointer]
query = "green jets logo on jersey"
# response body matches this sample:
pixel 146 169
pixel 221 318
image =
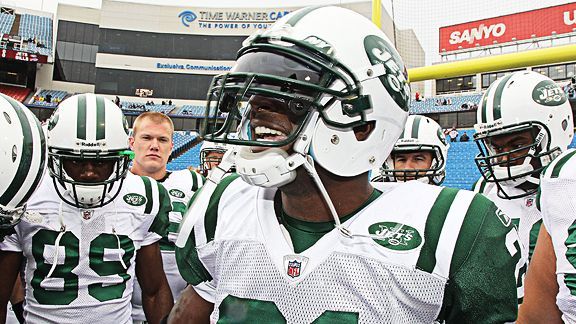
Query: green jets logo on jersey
pixel 395 80
pixel 548 93
pixel 134 199
pixel 176 193
pixel 395 236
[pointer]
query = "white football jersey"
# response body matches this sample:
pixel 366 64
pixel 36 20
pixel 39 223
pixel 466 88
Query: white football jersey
pixel 557 202
pixel 181 185
pixel 80 263
pixel 525 216
pixel 418 254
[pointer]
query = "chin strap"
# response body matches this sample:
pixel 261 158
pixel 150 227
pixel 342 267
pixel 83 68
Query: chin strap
pixel 200 203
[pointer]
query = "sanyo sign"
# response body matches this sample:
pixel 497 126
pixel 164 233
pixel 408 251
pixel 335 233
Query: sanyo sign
pixel 475 34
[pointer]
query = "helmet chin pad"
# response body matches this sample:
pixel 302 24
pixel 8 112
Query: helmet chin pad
pixel 87 196
pixel 268 168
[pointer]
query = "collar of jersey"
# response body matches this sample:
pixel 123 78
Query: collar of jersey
pixel 318 227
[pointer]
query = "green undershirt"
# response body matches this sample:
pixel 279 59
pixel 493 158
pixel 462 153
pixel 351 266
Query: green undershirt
pixel 304 234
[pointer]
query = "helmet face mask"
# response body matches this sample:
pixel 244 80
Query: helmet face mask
pixel 523 123
pixel 434 174
pixel 303 87
pixel 101 138
pixel 292 76
pixel 99 190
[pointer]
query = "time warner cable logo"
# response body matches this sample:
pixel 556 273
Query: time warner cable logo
pixel 187 17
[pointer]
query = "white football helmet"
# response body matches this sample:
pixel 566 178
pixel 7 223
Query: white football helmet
pixel 517 102
pixel 23 158
pixel 331 77
pixel 420 134
pixel 87 126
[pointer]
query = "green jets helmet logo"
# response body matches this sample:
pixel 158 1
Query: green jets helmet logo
pixel 53 120
pixel 548 93
pixel 134 199
pixel 320 44
pixel 395 236
pixel 176 193
pixel 395 80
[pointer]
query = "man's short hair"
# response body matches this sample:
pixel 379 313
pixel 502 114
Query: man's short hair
pixel 155 117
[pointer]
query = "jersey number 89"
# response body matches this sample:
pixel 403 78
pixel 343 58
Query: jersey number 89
pixel 68 292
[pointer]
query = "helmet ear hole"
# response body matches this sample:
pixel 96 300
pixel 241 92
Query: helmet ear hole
pixel 362 132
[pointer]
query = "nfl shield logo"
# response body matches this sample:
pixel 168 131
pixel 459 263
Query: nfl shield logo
pixel 529 202
pixel 87 214
pixel 294 268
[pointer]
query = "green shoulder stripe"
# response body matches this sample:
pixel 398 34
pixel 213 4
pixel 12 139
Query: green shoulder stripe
pixel 479 186
pixel 148 190
pixel 477 211
pixel 434 224
pixel 558 167
pixel 161 221
pixel 211 217
pixel 197 180
pixel 189 264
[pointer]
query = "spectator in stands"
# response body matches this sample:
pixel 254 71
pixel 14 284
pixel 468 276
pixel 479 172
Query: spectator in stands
pixel 48 98
pixel 152 144
pixel 453 134
pixel 417 96
pixel 163 103
pixel 117 101
pixel 464 137
pixel 420 154
pixel 517 137
pixel 170 102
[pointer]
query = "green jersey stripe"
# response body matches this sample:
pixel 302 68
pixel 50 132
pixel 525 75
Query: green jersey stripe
pixel 211 217
pixel 434 223
pixel 148 190
pixel 161 221
pixel 195 184
pixel 469 230
pixel 560 164
pixel 42 162
pixel 81 118
pixel 497 101
pixel 416 126
pixel 100 118
pixel 25 159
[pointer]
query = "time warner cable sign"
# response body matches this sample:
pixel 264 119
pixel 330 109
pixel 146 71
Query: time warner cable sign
pixel 204 19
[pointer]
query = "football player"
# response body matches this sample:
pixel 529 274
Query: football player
pixel 419 154
pixel 524 122
pixel 550 295
pixel 90 227
pixel 151 141
pixel 301 235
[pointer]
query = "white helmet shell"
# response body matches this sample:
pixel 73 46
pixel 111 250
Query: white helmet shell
pixel 22 158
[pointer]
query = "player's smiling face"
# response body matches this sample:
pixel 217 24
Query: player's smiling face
pixel 270 120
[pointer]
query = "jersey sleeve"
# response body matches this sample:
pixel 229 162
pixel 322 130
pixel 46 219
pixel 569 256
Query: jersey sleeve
pixel 159 226
pixel 194 267
pixel 482 287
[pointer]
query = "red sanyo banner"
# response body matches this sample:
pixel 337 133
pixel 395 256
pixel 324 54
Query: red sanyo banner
pixel 541 23
pixel 23 56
